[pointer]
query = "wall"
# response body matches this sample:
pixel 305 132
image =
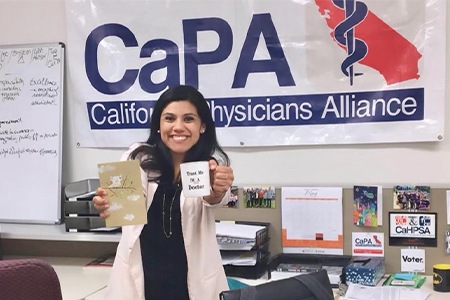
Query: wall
pixel 392 253
pixel 327 165
pixel 342 165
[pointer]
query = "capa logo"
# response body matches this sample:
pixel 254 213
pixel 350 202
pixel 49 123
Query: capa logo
pixel 261 24
pixel 364 241
pixel 384 49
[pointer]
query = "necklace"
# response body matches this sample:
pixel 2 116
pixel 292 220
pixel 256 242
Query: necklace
pixel 168 235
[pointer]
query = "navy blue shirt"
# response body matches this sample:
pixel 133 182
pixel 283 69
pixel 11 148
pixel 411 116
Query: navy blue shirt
pixel 162 247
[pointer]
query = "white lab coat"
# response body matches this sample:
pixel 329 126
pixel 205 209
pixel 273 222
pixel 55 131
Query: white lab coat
pixel 205 277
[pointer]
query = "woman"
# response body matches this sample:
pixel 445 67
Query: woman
pixel 175 255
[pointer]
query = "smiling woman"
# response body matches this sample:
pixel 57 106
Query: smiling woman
pixel 175 255
pixel 180 128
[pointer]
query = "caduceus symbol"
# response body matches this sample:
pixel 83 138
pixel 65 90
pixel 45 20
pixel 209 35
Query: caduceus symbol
pixel 344 33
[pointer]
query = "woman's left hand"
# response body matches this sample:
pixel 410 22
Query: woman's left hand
pixel 221 179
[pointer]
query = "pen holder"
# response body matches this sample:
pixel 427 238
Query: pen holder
pixel 441 277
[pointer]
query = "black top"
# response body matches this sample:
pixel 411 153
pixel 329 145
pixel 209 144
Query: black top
pixel 163 253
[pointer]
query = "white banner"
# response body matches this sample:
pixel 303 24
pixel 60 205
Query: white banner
pixel 274 72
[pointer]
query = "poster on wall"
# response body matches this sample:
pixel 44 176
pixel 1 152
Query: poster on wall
pixel 259 197
pixel 412 229
pixel 368 205
pixel 311 220
pixel 273 72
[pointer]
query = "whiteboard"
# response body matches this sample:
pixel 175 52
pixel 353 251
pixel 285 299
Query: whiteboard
pixel 31 103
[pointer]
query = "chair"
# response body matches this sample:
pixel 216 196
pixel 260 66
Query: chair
pixel 28 279
pixel 312 286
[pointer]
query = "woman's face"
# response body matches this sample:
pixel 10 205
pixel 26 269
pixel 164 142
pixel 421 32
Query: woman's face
pixel 180 127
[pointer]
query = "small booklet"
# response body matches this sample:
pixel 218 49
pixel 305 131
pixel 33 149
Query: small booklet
pixel 122 182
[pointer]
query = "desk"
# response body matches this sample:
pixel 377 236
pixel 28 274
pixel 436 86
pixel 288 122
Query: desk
pixel 427 286
pixel 79 284
pixel 53 233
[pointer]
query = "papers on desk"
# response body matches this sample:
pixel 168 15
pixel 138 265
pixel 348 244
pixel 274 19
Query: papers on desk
pixel 237 230
pixel 231 236
pixel 361 292
pixel 229 243
pixel 238 258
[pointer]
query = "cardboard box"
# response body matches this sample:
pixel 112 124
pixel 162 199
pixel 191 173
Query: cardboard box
pixel 365 270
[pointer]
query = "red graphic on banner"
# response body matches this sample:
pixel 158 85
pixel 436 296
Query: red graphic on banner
pixel 388 51
pixel 400 220
pixel 377 240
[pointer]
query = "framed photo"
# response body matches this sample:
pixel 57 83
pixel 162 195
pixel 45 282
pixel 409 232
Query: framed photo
pixel 233 202
pixel 412 197
pixel 412 229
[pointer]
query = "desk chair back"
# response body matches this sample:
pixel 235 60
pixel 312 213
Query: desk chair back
pixel 28 279
pixel 314 286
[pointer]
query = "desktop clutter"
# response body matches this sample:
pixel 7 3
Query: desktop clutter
pixel 80 215
pixel 244 246
pixel 318 245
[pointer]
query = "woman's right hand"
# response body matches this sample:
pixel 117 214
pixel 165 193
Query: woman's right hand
pixel 101 203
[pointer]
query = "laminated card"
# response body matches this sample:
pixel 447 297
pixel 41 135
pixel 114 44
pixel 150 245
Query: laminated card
pixel 122 182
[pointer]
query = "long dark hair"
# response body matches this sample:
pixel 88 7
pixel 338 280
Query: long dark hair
pixel 154 154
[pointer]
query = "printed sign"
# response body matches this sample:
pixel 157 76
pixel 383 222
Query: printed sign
pixel 274 72
pixel 367 244
pixel 412 260
pixel 412 229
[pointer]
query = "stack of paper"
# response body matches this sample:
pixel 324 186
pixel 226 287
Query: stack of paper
pixel 236 242
pixel 239 258
pixel 361 292
pixel 231 236
pixel 334 273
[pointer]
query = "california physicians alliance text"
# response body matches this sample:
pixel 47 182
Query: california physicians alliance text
pixel 338 108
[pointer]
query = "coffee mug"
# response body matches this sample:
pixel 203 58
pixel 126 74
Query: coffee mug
pixel 195 178
pixel 441 277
